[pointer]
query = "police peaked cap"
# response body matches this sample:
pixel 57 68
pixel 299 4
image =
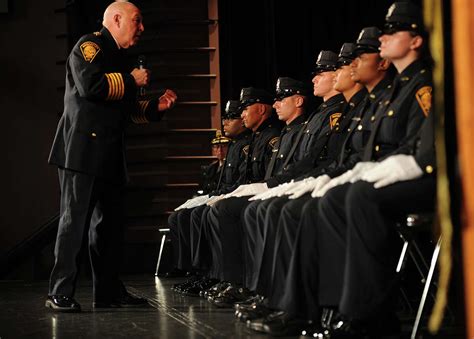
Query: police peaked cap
pixel 286 87
pixel 251 95
pixel 232 110
pixel 327 61
pixel 404 16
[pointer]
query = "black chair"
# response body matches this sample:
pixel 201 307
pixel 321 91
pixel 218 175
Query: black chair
pixel 408 231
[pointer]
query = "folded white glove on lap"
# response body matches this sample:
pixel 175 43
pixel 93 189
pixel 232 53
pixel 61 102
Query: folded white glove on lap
pixel 310 186
pixel 249 189
pixel 400 167
pixel 350 176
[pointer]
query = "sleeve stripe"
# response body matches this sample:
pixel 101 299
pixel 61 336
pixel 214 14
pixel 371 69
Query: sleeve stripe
pixel 116 86
pixel 139 117
pixel 110 86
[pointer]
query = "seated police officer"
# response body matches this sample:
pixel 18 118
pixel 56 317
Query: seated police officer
pixel 233 169
pixel 357 218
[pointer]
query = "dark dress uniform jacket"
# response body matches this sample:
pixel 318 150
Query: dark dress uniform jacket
pixel 283 151
pixel 397 122
pixel 358 129
pixel 312 140
pixel 233 168
pixel 100 99
pixel 259 152
pixel 210 175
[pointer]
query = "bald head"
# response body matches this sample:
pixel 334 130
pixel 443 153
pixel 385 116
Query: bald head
pixel 124 21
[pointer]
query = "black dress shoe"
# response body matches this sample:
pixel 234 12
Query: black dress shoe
pixel 278 323
pixel 185 284
pixel 61 303
pixel 126 300
pixel 231 295
pixel 215 290
pixel 383 326
pixel 254 299
pixel 255 311
pixel 201 285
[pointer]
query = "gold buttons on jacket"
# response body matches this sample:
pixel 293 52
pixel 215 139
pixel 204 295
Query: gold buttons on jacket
pixel 359 127
pixel 377 148
pixel 429 169
pixel 390 113
pixel 372 118
pixel 93 135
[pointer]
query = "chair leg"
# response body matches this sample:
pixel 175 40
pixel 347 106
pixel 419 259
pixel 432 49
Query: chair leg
pixel 434 260
pixel 403 254
pixel 163 239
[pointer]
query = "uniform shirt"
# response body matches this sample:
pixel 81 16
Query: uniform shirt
pixel 313 138
pixel 259 151
pixel 398 120
pixel 234 159
pixel 100 100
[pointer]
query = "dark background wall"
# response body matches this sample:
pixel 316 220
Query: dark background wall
pixel 262 40
pixel 29 106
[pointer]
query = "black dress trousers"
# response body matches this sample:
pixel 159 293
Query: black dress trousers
pixel 373 245
pixel 88 204
pixel 225 222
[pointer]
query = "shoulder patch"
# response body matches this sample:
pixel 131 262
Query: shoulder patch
pixel 334 119
pixel 89 50
pixel 273 141
pixel 423 96
pixel 245 150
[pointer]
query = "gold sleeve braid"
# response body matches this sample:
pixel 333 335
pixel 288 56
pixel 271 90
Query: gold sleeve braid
pixel 139 116
pixel 116 86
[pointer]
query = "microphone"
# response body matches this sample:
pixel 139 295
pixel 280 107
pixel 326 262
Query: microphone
pixel 142 65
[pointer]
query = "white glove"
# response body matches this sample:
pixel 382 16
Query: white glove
pixel 350 176
pixel 190 202
pixel 400 167
pixel 276 191
pixel 250 189
pixel 215 199
pixel 310 186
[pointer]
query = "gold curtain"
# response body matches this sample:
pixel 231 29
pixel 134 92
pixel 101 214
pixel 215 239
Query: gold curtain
pixel 463 51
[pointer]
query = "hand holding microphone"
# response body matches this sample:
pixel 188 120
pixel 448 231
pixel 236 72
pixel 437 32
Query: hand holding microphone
pixel 141 74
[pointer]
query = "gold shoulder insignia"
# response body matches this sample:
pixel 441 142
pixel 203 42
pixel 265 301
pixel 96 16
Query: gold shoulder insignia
pixel 89 50
pixel 245 150
pixel 97 33
pixel 334 119
pixel 423 96
pixel 273 141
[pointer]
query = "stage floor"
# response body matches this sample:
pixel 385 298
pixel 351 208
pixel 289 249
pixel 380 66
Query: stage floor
pixel 171 315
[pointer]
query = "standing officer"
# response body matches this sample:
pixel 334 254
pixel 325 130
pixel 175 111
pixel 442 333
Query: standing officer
pixel 100 98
